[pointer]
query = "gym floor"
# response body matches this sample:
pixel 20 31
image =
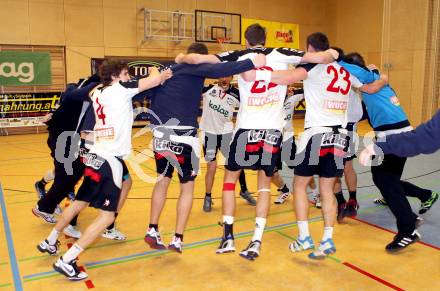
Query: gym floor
pixel 360 262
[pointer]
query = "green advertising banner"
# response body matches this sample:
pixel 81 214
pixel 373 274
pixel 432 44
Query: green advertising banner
pixel 19 68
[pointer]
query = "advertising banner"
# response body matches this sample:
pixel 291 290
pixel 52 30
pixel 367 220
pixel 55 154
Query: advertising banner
pixel 20 68
pixel 278 34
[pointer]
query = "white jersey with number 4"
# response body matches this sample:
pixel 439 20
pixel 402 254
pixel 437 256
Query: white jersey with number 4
pixel 261 104
pixel 326 90
pixel 113 110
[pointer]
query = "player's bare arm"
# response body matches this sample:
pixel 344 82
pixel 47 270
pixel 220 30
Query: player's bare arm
pixel 154 79
pixel 283 77
pixel 324 57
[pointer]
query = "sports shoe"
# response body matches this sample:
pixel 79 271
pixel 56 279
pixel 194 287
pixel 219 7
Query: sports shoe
pixel 351 208
pixel 114 234
pixel 175 245
pixel 402 241
pixel 152 238
pixel 39 188
pixel 58 211
pixel 341 212
pixel 282 197
pixel 207 202
pixel 300 245
pixel 318 203
pixel 325 248
pixel 252 251
pixel 314 198
pixel 419 221
pixel 226 246
pixel 72 231
pixel 47 217
pixel 45 247
pixel 70 270
pixel 425 206
pixel 248 197
pixel 380 201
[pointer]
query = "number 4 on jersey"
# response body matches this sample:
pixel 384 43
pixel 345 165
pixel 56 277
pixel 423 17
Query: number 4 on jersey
pixel 100 111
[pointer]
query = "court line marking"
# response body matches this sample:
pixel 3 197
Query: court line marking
pixel 142 255
pixel 12 258
pixel 391 231
pixel 347 264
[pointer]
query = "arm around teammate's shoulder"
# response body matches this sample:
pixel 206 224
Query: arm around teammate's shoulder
pixel 324 57
pixel 154 79
pixel 375 86
pixel 195 59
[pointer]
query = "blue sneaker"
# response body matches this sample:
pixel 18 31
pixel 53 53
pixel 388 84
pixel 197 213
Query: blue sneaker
pixel 325 248
pixel 300 245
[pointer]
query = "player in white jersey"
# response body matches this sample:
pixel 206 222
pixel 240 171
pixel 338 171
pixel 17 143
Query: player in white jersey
pixel 323 145
pixel 257 141
pixel 102 183
pixel 219 103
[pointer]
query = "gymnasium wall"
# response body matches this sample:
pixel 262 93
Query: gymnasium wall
pixel 394 32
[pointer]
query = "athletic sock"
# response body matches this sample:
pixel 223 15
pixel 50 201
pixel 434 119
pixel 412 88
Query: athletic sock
pixel 352 194
pixel 284 189
pixel 53 236
pixel 328 233
pixel 72 253
pixel 111 226
pixel 228 223
pixel 260 223
pixel 340 197
pixel 155 226
pixel 207 194
pixel 303 227
pixel 179 235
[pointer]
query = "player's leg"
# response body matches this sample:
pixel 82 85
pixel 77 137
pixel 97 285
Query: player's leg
pixel 342 203
pixel 351 181
pixel 252 251
pixel 244 192
pixel 41 184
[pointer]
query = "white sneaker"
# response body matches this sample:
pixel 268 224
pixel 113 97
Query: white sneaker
pixel 70 270
pixel 282 198
pixel 153 239
pixel 72 231
pixel 114 234
pixel 314 197
pixel 175 245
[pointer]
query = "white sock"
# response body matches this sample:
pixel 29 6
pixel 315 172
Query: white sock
pixel 49 176
pixel 303 227
pixel 328 233
pixel 53 236
pixel 228 219
pixel 260 223
pixel 72 253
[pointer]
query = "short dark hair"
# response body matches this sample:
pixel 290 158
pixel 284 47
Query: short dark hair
pixel 111 68
pixel 355 59
pixel 198 48
pixel 255 34
pixel 318 41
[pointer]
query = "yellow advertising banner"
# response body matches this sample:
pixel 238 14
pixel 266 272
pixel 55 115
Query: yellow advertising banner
pixel 279 34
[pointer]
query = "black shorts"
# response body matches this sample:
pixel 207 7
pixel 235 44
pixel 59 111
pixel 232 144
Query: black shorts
pixel 171 154
pixel 323 156
pixel 83 151
pixel 351 153
pixel 102 182
pixel 212 143
pixel 255 149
